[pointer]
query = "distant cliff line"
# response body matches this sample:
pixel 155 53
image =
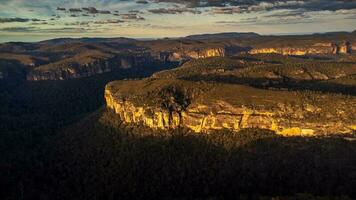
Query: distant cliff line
pixel 318 48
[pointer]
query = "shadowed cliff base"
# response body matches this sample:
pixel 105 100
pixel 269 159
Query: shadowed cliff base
pixel 96 160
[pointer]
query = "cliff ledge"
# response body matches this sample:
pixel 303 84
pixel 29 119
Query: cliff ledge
pixel 203 107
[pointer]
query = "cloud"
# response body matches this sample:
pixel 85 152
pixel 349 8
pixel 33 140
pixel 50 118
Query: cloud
pixel 75 10
pixel 109 21
pixel 17 19
pixel 177 10
pixel 258 7
pixel 153 26
pixel 17 29
pixel 262 5
pixel 195 3
pixel 31 29
pixel 37 20
pixel 88 10
pixel 39 23
pixel 289 14
pixel 351 17
pixel 104 12
pixel 87 23
pixel 91 10
pixel 231 10
pixel 131 16
pixel 142 2
pixel 82 23
pixel 135 11
pixel 267 21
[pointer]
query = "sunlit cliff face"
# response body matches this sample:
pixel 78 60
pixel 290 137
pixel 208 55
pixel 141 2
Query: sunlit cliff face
pixel 216 114
pixel 30 20
pixel 331 48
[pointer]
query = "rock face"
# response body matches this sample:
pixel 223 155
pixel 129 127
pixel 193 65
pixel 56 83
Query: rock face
pixel 71 70
pixel 345 48
pixel 206 53
pixel 192 54
pixel 207 116
pixel 197 118
pixel 319 48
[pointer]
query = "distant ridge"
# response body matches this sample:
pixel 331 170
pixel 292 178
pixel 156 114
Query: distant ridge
pixel 87 40
pixel 334 33
pixel 228 35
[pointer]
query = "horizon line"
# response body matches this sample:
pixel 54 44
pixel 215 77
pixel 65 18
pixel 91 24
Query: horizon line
pixel 177 37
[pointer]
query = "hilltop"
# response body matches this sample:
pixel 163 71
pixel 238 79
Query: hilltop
pixel 295 96
pixel 231 35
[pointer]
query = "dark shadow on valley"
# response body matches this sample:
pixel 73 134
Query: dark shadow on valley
pixel 93 160
pixel 32 111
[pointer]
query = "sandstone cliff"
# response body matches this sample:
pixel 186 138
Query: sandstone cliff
pixel 206 53
pixel 70 69
pixel 228 107
pixel 181 55
pixel 318 48
pixel 90 65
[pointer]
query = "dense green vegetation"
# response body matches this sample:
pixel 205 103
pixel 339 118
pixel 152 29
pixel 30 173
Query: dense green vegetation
pixel 271 71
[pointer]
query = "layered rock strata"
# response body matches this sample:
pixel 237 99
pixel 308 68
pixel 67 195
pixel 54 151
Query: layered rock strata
pixel 72 70
pixel 208 116
pixel 192 54
pixel 319 48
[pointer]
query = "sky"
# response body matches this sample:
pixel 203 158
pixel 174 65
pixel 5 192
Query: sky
pixel 35 20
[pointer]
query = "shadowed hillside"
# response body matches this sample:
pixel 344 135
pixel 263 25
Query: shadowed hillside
pixel 101 158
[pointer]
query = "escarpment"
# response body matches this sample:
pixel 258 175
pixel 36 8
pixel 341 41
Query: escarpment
pixel 62 59
pixel 206 53
pixel 204 107
pixel 318 48
pixel 70 71
pixel 90 65
pixel 187 54
pixel 72 68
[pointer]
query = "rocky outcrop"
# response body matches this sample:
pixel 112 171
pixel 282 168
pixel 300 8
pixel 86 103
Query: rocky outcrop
pixel 192 54
pixel 77 68
pixel 204 117
pixel 206 53
pixel 319 48
pixel 345 48
pixel 70 72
